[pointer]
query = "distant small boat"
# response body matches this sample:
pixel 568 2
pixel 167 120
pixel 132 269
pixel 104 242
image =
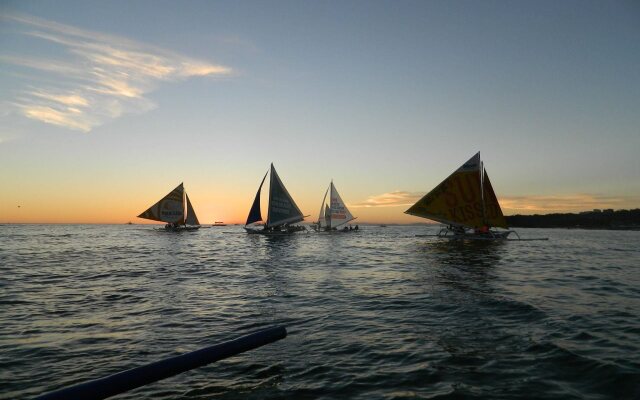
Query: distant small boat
pixel 171 209
pixel 219 223
pixel 466 203
pixel 282 210
pixel 383 226
pixel 333 214
pixel 129 223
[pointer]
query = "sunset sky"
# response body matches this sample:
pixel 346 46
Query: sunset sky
pixel 109 105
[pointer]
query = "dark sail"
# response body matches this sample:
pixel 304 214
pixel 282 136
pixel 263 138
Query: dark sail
pixel 282 208
pixel 493 212
pixel 254 213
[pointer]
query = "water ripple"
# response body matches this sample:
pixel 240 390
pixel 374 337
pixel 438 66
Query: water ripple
pixel 376 314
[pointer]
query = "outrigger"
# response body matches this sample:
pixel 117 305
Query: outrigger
pixel 466 203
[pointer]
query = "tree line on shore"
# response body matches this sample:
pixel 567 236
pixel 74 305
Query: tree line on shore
pixel 596 219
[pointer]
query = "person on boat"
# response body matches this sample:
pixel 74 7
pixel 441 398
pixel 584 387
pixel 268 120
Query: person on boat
pixel 356 228
pixel 483 230
pixel 458 230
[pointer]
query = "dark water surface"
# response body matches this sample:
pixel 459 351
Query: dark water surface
pixel 378 314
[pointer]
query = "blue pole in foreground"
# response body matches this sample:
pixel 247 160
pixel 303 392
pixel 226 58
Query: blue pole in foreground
pixel 140 376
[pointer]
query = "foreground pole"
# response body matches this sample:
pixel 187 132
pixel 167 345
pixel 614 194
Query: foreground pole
pixel 140 376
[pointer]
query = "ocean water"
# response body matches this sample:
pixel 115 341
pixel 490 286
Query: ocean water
pixel 377 314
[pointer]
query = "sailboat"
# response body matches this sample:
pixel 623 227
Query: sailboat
pixel 282 210
pixel 335 213
pixel 466 203
pixel 171 209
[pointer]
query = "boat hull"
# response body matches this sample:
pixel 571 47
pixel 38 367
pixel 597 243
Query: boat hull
pixel 490 235
pixel 182 228
pixel 271 232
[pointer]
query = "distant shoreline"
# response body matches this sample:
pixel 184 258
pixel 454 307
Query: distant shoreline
pixel 620 220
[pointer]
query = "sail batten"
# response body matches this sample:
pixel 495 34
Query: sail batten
pixel 464 198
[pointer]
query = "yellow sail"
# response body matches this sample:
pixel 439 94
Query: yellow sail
pixel 169 209
pixel 492 210
pixel 457 200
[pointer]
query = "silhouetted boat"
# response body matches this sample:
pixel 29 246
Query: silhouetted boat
pixel 333 214
pixel 466 203
pixel 282 210
pixel 171 209
pixel 219 223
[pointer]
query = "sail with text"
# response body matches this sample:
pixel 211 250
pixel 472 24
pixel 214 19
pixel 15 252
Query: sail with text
pixel 169 209
pixel 340 214
pixel 465 198
pixel 282 208
pixel 335 212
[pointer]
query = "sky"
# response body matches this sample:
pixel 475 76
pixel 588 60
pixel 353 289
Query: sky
pixel 109 105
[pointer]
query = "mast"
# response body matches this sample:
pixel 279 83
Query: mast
pixel 484 206
pixel 270 196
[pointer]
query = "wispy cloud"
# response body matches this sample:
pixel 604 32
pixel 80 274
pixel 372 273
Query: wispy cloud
pixel 98 76
pixel 565 203
pixel 518 204
pixel 391 199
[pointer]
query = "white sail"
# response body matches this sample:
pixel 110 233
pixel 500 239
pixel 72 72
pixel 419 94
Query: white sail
pixel 340 214
pixel 327 216
pixel 321 216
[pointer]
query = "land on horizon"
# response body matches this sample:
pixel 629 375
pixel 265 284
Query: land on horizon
pixel 595 219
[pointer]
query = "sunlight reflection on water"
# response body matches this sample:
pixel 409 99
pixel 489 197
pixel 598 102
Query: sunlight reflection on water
pixel 377 313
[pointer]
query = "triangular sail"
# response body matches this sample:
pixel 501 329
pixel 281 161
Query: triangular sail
pixel 327 216
pixel 192 219
pixel 339 212
pixel 169 209
pixel 457 200
pixel 493 212
pixel 254 214
pixel 321 215
pixel 282 208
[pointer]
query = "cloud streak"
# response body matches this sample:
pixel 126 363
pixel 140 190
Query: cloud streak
pixel 391 199
pixel 98 77
pixel 517 204
pixel 565 203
